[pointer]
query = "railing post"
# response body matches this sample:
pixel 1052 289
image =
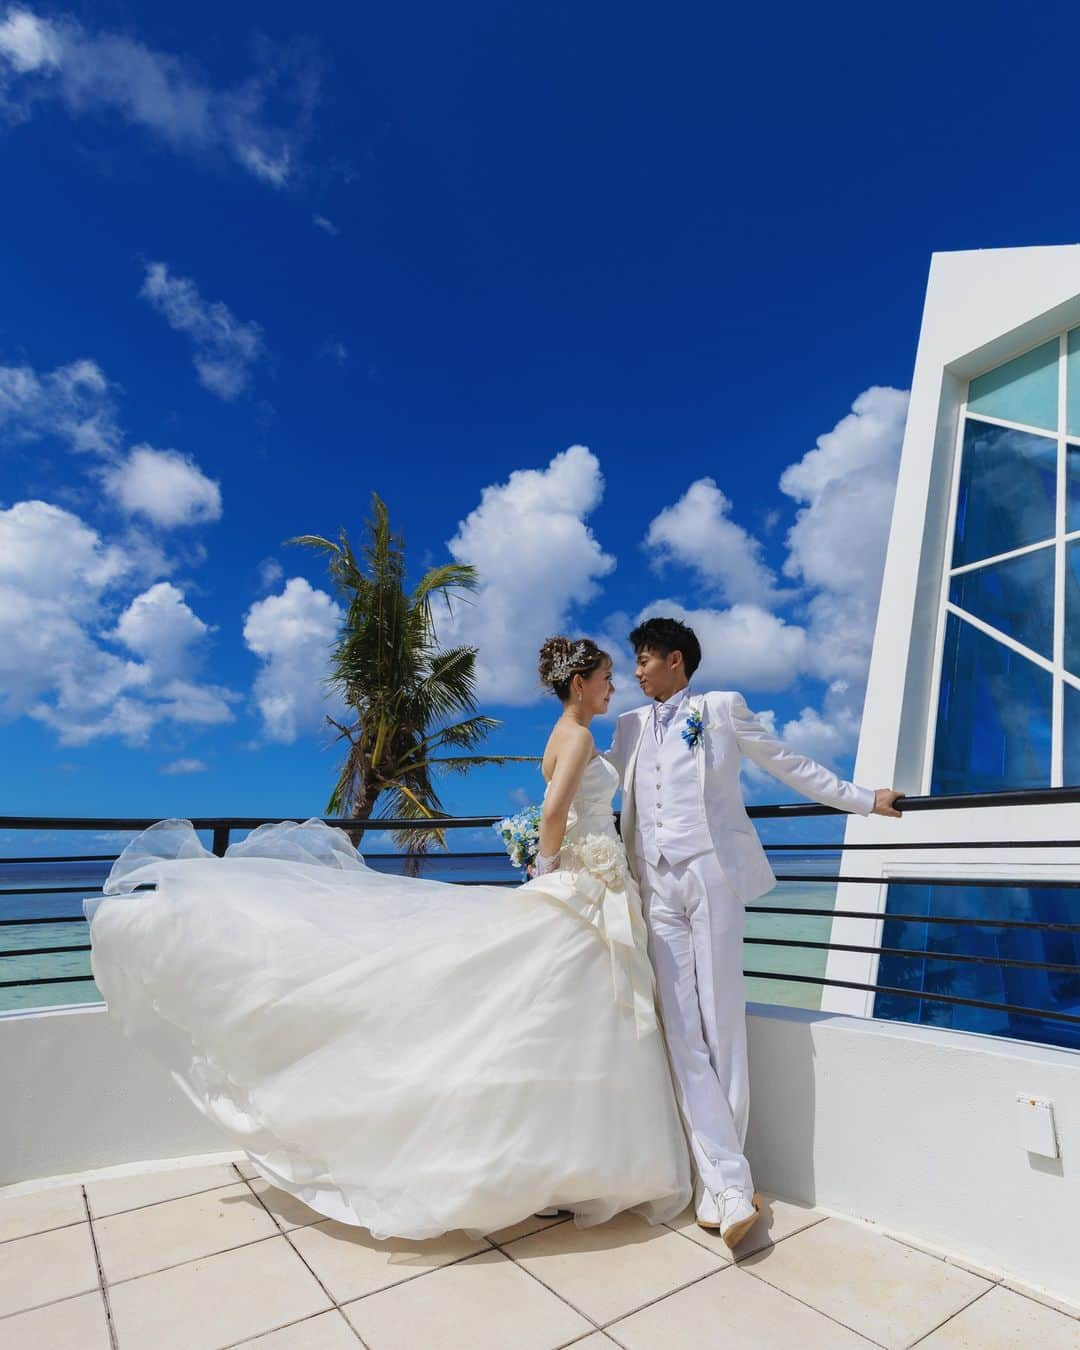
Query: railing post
pixel 221 840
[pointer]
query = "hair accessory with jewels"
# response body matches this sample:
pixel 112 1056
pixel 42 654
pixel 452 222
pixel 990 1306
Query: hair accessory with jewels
pixel 562 667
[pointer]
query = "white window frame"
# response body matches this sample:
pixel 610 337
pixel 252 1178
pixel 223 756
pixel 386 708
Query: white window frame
pixel 1059 540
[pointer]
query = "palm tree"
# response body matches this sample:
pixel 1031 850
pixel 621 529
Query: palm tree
pixel 402 690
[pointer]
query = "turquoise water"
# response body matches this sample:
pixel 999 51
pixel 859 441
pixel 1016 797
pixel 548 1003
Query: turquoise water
pixel 90 876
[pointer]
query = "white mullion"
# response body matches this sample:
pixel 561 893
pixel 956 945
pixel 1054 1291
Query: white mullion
pixel 1025 427
pixel 1057 714
pixel 1074 680
pixel 1004 557
pixel 1003 638
pixel 942 616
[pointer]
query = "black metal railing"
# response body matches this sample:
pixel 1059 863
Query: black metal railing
pixel 221 828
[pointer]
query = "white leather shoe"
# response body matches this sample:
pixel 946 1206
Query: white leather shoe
pixel 732 1213
pixel 738 1214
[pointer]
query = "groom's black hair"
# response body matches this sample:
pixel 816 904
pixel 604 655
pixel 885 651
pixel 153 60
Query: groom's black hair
pixel 665 636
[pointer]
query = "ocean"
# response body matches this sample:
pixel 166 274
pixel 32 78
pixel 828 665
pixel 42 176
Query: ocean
pixel 88 877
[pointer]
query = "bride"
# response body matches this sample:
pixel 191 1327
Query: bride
pixel 403 1054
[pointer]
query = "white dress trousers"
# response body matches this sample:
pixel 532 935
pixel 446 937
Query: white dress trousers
pixel 695 944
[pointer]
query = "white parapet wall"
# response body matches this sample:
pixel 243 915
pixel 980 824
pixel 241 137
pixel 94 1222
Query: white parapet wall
pixel 918 1131
pixel 910 1128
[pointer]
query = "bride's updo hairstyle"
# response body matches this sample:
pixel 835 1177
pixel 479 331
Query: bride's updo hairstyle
pixel 561 658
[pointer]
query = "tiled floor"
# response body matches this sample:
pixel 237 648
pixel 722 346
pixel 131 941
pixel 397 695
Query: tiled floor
pixel 203 1258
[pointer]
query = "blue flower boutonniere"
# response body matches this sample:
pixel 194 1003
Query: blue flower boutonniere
pixel 693 729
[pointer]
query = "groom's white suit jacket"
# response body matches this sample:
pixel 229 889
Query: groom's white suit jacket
pixel 729 731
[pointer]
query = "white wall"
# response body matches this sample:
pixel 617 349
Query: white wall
pixel 910 1128
pixel 916 1130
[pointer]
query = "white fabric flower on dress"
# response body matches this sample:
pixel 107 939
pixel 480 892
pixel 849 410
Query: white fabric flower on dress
pixel 602 857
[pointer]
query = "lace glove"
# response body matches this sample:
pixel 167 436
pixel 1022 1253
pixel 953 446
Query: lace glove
pixel 546 862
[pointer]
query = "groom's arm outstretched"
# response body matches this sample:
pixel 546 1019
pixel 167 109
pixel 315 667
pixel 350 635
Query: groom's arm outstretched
pixel 805 775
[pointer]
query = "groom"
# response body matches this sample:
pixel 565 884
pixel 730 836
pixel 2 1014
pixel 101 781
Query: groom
pixel 698 861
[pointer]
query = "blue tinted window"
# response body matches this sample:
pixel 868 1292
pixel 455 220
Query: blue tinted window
pixel 1050 991
pixel 1072 737
pixel 1016 597
pixel 1008 486
pixel 1072 504
pixel 1072 384
pixel 993 725
pixel 1072 607
pixel 1024 390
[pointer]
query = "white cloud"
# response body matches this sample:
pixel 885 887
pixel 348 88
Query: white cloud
pixel 835 550
pixel 225 347
pixel 165 486
pixel 270 574
pixel 73 403
pixel 58 582
pixel 162 629
pixel 184 766
pixel 698 532
pixel 291 634
pixel 27 43
pixel 538 563
pixel 105 72
pixel 326 225
pixel 743 647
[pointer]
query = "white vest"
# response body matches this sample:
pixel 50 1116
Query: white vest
pixel 669 812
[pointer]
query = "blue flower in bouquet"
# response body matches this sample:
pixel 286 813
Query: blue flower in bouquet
pixel 521 837
pixel 693 728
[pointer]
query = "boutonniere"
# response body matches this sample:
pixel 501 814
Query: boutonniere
pixel 694 727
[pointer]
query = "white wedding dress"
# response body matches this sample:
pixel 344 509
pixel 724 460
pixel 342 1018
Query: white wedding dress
pixel 403 1054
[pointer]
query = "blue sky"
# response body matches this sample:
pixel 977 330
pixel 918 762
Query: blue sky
pixel 619 304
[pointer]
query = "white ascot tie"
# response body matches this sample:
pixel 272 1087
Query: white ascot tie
pixel 665 714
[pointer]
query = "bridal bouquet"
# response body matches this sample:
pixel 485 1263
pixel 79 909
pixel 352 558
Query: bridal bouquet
pixel 521 836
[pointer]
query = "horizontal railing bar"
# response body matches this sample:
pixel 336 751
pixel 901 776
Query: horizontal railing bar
pixel 840 847
pixel 916 918
pixel 42 951
pixel 1006 883
pixel 52 979
pixel 67 858
pixel 60 918
pixel 957 801
pixel 44 890
pixel 917 993
pixel 910 952
pixel 927 847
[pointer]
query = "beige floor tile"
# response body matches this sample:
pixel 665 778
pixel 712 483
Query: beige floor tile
pixel 597 1341
pixel 73 1324
pixel 485 1303
pixel 350 1262
pixel 1002 1320
pixel 141 1240
pixel 880 1288
pixel 217 1301
pixel 149 1188
pixel 524 1228
pixel 21 1215
pixel 777 1220
pixel 327 1331
pixel 248 1170
pixel 289 1212
pixel 46 1267
pixel 732 1309
pixel 613 1268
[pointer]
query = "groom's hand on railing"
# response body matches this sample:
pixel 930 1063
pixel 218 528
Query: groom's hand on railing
pixel 885 800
